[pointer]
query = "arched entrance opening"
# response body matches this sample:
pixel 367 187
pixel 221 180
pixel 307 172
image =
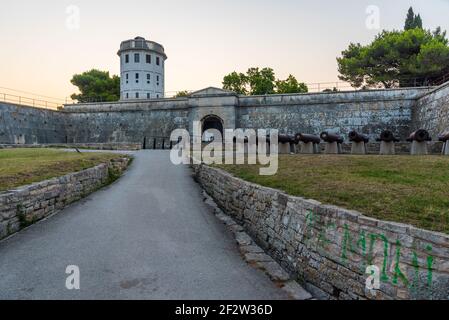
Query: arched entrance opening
pixel 211 122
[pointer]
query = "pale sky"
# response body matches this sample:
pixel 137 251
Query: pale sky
pixel 204 39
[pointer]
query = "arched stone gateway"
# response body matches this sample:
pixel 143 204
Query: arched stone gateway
pixel 211 122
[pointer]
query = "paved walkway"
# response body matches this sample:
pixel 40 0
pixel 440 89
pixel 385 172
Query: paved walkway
pixel 147 236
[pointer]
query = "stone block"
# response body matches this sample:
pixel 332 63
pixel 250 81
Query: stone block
pixel 296 291
pixel 418 148
pixel 358 148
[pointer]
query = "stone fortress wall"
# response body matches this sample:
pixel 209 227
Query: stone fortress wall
pixel 27 125
pixel 370 112
pixel 432 111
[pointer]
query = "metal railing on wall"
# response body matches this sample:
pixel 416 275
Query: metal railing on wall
pixel 32 102
pixel 315 87
pixel 40 101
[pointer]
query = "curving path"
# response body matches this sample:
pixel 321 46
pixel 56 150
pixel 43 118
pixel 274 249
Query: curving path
pixel 147 236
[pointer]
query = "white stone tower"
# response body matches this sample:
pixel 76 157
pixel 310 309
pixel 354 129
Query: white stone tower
pixel 142 73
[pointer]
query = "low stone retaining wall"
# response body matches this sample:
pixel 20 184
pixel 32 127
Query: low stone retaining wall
pixel 95 146
pixel 25 205
pixel 329 248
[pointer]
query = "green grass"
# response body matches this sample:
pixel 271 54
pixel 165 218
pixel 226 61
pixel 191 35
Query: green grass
pixel 407 189
pixel 20 167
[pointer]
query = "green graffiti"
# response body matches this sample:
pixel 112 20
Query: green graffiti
pixel 310 221
pixel 397 271
pixel 322 239
pixel 415 264
pixel 347 242
pixel 365 246
pixel 373 238
pixel 429 267
pixel 361 243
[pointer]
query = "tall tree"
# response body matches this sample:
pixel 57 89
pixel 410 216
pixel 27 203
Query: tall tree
pixel 418 21
pixel 412 21
pixel 396 58
pixel 96 85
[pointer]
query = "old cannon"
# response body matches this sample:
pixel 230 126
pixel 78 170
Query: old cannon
pixel 420 135
pixel 286 142
pixel 359 141
pixel 444 137
pixel 419 140
pixel 333 142
pixel 387 141
pixel 309 143
pixel 387 136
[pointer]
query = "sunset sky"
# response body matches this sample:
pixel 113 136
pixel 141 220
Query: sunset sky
pixel 204 40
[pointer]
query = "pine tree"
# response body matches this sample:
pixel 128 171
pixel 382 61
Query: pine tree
pixel 418 22
pixel 410 21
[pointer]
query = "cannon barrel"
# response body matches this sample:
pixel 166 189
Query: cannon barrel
pixel 286 138
pixel 420 135
pixel 306 138
pixel 245 139
pixel 354 136
pixel 444 136
pixel 387 136
pixel 331 137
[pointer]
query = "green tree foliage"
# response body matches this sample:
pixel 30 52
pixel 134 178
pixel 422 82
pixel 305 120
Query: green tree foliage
pixel 236 82
pixel 412 21
pixel 180 94
pixel 412 57
pixel 261 81
pixel 290 85
pixel 96 85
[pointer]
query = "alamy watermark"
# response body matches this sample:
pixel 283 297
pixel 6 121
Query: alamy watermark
pixel 73 19
pixel 373 280
pixel 372 21
pixel 257 147
pixel 73 280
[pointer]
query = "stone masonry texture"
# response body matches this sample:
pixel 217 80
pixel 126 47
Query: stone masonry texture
pixel 25 205
pixel 328 248
pixel 432 111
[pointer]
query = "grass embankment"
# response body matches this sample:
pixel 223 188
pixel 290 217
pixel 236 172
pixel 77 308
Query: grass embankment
pixel 407 189
pixel 20 167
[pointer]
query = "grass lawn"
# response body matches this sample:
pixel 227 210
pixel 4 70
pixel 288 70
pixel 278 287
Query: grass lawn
pixel 20 167
pixel 406 189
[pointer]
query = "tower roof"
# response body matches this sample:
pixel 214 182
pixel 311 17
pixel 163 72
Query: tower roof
pixel 139 43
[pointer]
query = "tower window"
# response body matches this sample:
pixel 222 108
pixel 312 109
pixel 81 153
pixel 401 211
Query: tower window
pixel 148 58
pixel 136 57
pixel 137 78
pixel 148 78
pixel 126 58
pixel 158 61
pixel 137 95
pixel 127 95
pixel 148 96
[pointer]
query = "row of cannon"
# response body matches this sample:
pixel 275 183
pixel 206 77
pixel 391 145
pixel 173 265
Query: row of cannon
pixel 309 143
